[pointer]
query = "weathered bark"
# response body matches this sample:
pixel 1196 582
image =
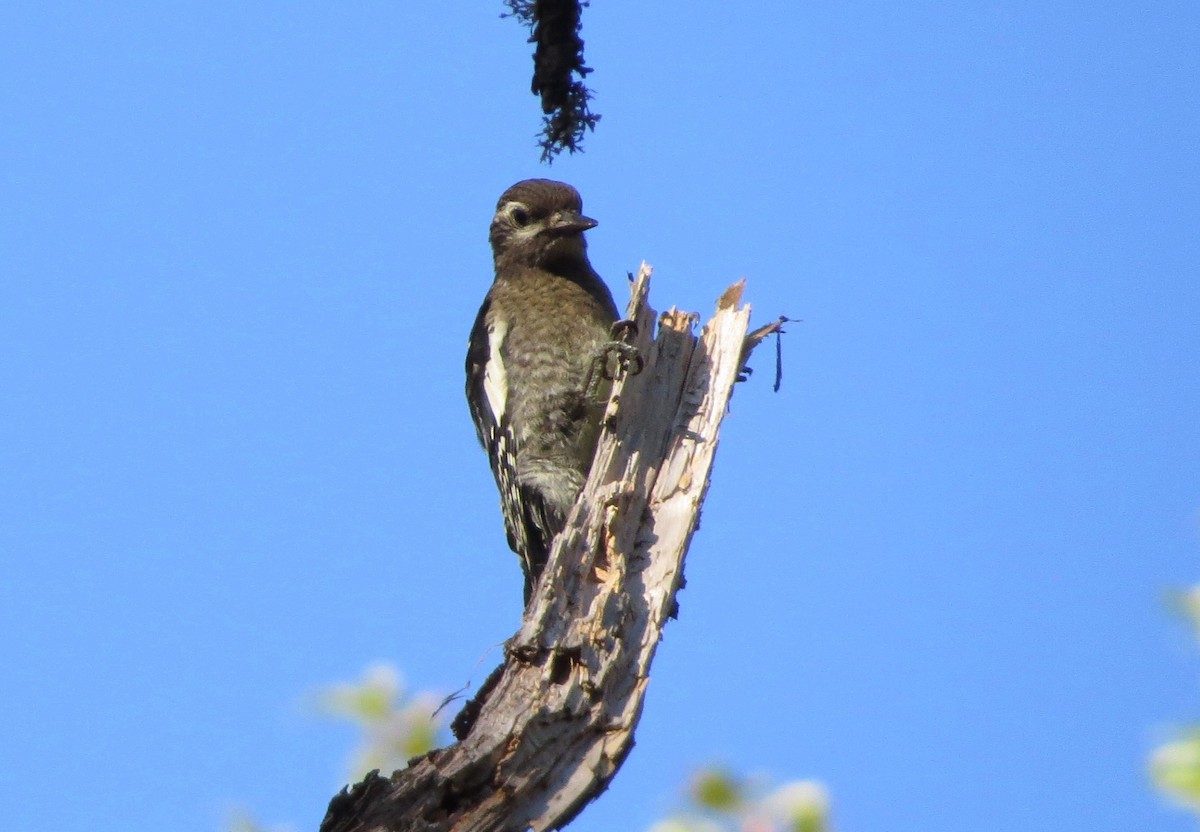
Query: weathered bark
pixel 555 722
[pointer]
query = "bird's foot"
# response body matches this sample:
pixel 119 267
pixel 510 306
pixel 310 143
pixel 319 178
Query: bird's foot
pixel 615 359
pixel 620 357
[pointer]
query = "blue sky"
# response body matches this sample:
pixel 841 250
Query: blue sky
pixel 241 246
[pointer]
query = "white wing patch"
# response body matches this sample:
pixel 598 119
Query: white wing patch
pixel 495 378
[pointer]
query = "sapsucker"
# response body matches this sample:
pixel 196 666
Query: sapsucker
pixel 533 384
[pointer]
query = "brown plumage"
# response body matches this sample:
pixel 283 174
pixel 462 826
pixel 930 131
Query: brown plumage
pixel 531 360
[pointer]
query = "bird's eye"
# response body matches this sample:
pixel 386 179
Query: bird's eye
pixel 520 217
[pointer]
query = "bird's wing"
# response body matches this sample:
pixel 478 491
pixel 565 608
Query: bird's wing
pixel 479 350
pixel 527 520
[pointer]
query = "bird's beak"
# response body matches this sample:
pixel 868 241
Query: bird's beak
pixel 570 222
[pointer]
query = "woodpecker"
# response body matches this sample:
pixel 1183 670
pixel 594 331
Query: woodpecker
pixel 533 385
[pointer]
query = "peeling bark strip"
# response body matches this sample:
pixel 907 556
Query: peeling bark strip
pixel 558 721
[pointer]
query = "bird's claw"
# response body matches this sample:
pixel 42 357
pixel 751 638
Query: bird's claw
pixel 624 331
pixel 619 356
pixel 615 359
pixel 619 359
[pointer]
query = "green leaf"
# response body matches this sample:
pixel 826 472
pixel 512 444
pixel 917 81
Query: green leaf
pixel 1175 769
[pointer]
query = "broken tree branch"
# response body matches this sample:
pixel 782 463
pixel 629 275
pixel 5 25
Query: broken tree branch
pixel 550 728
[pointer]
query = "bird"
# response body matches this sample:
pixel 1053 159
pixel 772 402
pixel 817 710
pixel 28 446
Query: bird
pixel 536 383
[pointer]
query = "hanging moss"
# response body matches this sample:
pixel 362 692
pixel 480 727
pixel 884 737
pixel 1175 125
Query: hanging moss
pixel 558 71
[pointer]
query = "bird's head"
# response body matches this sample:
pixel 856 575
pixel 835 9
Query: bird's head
pixel 539 222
